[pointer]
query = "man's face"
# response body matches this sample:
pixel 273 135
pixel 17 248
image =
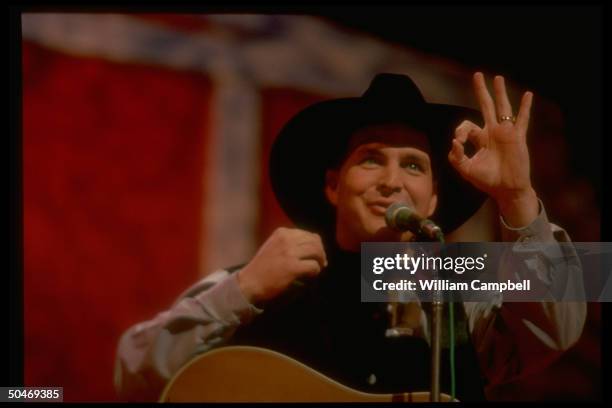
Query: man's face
pixel 385 164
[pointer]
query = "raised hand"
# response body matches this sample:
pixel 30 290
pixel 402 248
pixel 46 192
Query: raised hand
pixel 500 166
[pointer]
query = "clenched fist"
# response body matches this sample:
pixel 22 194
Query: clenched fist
pixel 287 255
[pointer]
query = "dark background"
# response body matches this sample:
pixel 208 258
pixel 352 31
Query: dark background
pixel 556 51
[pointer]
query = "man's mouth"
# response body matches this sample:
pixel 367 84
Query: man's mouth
pixel 379 207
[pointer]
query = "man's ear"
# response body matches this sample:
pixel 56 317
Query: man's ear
pixel 331 186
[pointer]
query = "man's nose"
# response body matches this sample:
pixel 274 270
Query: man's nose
pixel 390 181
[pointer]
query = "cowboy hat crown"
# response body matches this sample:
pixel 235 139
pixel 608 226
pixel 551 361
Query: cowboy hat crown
pixel 316 139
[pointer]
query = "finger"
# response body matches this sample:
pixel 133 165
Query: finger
pixel 310 250
pixel 484 99
pixel 305 244
pixel 316 237
pixel 502 103
pixel 305 236
pixel 522 120
pixel 462 130
pixel 318 242
pixel 457 157
pixel 308 267
pixel 298 233
pixel 286 234
pixel 469 130
pixel 298 236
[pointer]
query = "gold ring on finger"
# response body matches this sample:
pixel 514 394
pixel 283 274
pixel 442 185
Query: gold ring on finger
pixel 510 118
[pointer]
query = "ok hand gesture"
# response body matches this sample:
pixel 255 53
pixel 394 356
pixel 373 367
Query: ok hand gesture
pixel 500 166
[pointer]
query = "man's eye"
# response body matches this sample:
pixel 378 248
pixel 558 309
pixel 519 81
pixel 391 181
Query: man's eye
pixel 414 166
pixel 370 161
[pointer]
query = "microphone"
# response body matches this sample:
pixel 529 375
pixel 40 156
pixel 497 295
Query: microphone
pixel 401 217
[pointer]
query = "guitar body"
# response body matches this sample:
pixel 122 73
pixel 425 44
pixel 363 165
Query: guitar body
pixel 252 374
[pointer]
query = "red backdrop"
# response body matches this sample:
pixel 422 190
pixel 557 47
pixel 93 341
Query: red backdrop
pixel 112 164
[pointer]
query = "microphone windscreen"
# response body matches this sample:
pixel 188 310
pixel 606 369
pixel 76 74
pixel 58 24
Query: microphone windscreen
pixel 393 212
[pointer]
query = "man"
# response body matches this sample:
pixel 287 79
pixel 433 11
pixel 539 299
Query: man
pixel 335 168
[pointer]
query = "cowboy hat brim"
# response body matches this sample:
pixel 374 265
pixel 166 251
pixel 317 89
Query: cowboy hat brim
pixel 316 139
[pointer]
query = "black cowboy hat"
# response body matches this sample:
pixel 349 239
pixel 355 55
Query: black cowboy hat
pixel 316 139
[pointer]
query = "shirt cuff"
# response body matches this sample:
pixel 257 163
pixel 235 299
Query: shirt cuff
pixel 539 230
pixel 227 303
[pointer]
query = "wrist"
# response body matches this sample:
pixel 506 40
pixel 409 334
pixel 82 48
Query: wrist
pixel 519 208
pixel 247 289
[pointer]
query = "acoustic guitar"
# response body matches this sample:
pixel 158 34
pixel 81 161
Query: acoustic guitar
pixel 252 374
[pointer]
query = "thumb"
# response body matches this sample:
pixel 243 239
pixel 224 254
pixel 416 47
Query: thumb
pixel 457 158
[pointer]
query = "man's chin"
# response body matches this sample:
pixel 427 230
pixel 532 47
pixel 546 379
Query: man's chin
pixel 385 234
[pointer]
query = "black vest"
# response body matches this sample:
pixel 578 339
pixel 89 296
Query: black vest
pixel 326 326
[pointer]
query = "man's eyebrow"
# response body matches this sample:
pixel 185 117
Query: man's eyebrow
pixel 377 150
pixel 417 156
pixel 369 150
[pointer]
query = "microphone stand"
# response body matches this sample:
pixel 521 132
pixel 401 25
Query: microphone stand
pixel 436 329
pixel 401 216
pixel 436 334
